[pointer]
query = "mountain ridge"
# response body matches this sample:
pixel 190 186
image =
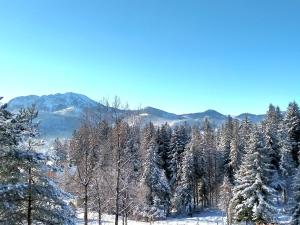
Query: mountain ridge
pixel 60 114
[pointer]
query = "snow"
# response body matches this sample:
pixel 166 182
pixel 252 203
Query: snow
pixel 65 111
pixel 53 103
pixel 207 217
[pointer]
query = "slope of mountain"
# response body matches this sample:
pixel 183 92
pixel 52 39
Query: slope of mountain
pixel 60 103
pixel 160 113
pixel 215 117
pixel 60 114
pixel 208 113
pixel 252 117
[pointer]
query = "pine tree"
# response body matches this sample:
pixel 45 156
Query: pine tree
pixel 271 126
pixel 296 189
pixel 26 191
pixel 184 191
pixel 287 164
pixel 225 198
pixel 252 193
pixel 244 134
pixel 163 141
pixel 179 140
pixel 208 144
pixel 235 152
pixel 60 151
pixel 154 186
pixel 292 123
pixel 225 145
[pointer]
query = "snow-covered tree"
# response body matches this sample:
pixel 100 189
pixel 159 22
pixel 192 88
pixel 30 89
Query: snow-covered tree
pixel 83 156
pixel 271 128
pixel 154 187
pixel 184 191
pixel 60 150
pixel 292 123
pixel 252 194
pixel 287 164
pixel 225 145
pixel 163 140
pixel 179 140
pixel 235 152
pixel 27 192
pixel 225 198
pixel 213 162
pixel 296 195
pixel 244 134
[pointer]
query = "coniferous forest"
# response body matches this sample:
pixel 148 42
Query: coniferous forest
pixel 112 165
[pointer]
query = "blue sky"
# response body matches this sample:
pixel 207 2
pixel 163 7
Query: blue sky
pixel 178 55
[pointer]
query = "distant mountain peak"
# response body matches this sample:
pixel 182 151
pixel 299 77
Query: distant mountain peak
pixel 212 112
pixel 53 102
pixel 160 113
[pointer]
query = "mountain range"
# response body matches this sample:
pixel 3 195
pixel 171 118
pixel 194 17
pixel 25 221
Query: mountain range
pixel 60 114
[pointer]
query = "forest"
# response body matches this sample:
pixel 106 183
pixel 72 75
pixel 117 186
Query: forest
pixel 121 167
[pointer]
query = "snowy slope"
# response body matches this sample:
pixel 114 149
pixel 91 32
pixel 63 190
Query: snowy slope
pixel 208 217
pixel 59 114
pixel 52 103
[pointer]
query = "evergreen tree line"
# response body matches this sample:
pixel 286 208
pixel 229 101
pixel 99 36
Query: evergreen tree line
pixel 115 165
pixel 149 172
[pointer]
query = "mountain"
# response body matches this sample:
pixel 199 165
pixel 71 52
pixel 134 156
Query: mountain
pixel 57 103
pixel 215 117
pixel 252 117
pixel 160 113
pixel 60 114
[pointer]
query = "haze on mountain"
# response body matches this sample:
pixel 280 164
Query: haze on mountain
pixel 60 114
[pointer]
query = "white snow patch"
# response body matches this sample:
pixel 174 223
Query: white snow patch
pixel 207 217
pixel 144 114
pixel 65 111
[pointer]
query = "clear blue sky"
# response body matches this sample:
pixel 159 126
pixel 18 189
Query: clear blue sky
pixel 177 55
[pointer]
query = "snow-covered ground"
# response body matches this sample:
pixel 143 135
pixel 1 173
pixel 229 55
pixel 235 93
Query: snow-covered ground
pixel 208 217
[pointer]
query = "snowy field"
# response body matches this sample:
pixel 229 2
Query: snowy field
pixel 209 217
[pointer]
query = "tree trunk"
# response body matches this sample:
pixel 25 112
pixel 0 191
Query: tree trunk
pixel 99 212
pixel 85 205
pixel 117 194
pixel 227 216
pixel 29 206
pixel 118 182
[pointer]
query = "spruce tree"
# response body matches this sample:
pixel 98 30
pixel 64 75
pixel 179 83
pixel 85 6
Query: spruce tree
pixel 154 186
pixel 184 191
pixel 225 145
pixel 271 127
pixel 296 195
pixel 287 164
pixel 27 192
pixel 225 198
pixel 235 152
pixel 244 133
pixel 292 123
pixel 252 193
pixel 163 141
pixel 179 140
